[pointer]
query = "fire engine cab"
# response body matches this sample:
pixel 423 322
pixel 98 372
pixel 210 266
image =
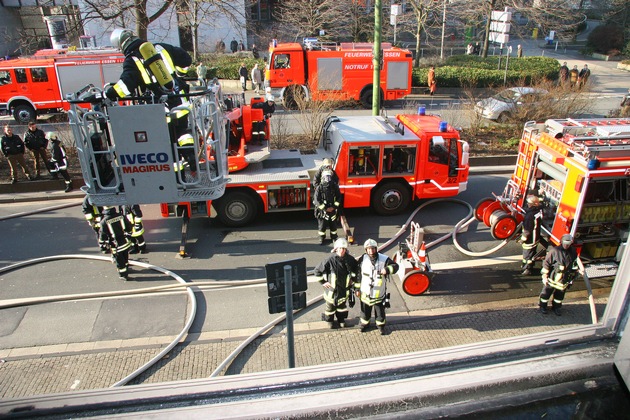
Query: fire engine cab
pixel 129 156
pixel 336 72
pixel 580 168
pixel 382 163
pixel 41 83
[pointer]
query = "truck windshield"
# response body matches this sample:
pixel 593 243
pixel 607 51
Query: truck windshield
pixel 281 61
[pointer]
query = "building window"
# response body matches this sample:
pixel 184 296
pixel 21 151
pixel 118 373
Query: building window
pixel 261 10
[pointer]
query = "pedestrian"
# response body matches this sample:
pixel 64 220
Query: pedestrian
pixel 325 168
pixel 337 274
pixel 135 79
pixel 59 160
pixel 255 52
pixel 35 141
pixel 328 207
pixel 256 78
pixel 13 149
pixel 233 45
pixel 470 49
pixel 564 73
pixel 530 237
pixel 202 72
pixel 94 215
pixel 585 73
pixel 431 81
pixel 241 46
pixel 477 48
pixel 112 235
pixel 558 272
pixel 625 105
pixel 134 228
pixel 375 270
pixel 574 76
pixel 259 127
pixel 243 74
pixel 519 51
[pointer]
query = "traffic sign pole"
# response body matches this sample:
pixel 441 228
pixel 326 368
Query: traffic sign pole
pixel 288 304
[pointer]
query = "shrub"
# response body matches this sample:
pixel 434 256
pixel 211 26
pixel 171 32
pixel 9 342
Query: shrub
pixel 467 71
pixel 605 38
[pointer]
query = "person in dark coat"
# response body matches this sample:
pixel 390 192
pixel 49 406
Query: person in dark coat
pixel 242 72
pixel 328 206
pixel 558 273
pixel 13 149
pixel 258 127
pixel 112 234
pixel 59 161
pixel 134 228
pixel 530 237
pixel 337 274
pixel 564 73
pixel 35 141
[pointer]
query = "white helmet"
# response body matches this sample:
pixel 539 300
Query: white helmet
pixel 341 243
pixel 566 240
pixel 121 38
pixel 533 200
pixel 270 97
pixel 328 162
pixel 370 243
pixel 52 135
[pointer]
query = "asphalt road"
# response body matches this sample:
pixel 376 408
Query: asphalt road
pixel 225 255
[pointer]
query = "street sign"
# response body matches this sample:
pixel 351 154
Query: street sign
pixel 501 16
pixel 277 304
pixel 499 38
pixel 501 27
pixel 275 276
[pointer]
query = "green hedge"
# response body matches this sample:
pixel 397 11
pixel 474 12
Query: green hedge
pixel 474 71
pixel 226 66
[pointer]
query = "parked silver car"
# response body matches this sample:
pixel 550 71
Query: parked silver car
pixel 502 105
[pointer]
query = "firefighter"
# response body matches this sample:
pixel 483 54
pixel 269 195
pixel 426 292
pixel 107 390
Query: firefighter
pixel 59 161
pixel 186 151
pixel 327 166
pixel 328 207
pixel 336 274
pixel 558 272
pixel 375 270
pixel 134 228
pixel 112 233
pixel 258 127
pixel 530 237
pixel 93 215
pixel 141 76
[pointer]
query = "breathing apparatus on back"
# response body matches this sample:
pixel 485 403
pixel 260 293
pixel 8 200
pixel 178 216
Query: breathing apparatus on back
pixel 155 65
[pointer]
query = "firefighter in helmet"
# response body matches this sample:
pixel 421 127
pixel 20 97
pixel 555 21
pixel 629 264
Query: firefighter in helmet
pixel 336 274
pixel 327 166
pixel 156 69
pixel 375 270
pixel 268 107
pixel 186 152
pixel 558 273
pixel 93 215
pixel 328 206
pixel 134 228
pixel 530 237
pixel 112 233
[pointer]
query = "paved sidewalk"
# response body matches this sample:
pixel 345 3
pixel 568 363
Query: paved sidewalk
pixel 82 366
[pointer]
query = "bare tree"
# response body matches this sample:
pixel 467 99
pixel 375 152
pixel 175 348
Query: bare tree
pixel 422 12
pixel 308 18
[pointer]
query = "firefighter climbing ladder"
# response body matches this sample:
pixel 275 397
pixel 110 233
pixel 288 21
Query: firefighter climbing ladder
pixel 128 154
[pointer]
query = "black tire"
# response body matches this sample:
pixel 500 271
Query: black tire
pixel 292 95
pixel 24 113
pixel 236 209
pixel 390 198
pixel 366 98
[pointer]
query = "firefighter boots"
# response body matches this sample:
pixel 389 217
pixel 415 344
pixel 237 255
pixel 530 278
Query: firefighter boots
pixel 543 310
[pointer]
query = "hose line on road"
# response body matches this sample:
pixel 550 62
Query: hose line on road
pixel 43 210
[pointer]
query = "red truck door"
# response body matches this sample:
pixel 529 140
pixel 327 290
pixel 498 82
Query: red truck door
pixel 438 174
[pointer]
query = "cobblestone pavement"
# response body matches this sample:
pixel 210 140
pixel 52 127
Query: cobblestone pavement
pixel 81 366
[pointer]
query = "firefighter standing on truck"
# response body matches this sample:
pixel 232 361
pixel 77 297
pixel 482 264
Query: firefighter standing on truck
pixel 328 206
pixel 155 69
pixel 112 233
pixel 375 270
pixel 558 272
pixel 336 274
pixel 530 237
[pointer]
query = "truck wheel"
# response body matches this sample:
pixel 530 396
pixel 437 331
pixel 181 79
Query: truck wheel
pixel 390 198
pixel 292 96
pixel 236 209
pixel 366 98
pixel 416 283
pixel 24 113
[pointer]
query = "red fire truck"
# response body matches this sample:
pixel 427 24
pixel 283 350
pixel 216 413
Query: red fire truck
pixel 382 163
pixel 344 72
pixel 41 83
pixel 581 170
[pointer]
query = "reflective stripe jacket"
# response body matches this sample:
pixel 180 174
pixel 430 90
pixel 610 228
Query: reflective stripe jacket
pixel 531 227
pixel 371 282
pixel 560 266
pixel 340 272
pixel 112 231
